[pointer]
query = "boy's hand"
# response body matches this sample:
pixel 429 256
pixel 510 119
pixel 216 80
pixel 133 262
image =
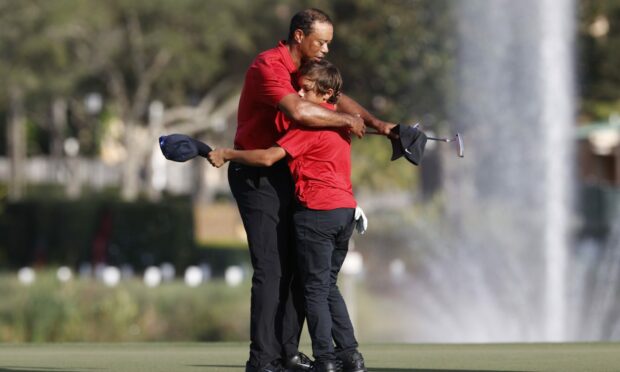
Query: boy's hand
pixel 361 222
pixel 216 158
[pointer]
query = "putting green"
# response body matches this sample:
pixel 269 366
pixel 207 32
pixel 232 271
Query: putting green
pixel 229 357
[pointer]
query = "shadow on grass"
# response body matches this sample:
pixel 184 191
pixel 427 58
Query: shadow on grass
pixel 38 369
pixel 379 369
pixel 212 366
pixel 25 369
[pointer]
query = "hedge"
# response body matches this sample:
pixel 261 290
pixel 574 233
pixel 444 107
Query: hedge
pixel 62 232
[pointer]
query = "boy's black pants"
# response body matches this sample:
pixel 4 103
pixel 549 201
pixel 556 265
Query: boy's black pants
pixel 322 240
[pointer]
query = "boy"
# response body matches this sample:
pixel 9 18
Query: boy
pixel 320 163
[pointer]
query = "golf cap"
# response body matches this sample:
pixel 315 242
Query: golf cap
pixel 179 147
pixel 410 143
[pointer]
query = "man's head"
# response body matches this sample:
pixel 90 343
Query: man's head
pixel 319 81
pixel 312 30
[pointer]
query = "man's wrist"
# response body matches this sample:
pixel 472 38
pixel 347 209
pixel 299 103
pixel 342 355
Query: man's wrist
pixel 351 120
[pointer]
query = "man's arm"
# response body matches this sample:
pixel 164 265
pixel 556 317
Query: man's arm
pixel 315 116
pixel 347 105
pixel 257 158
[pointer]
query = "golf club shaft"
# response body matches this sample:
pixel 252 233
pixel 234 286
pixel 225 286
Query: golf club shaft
pixel 428 138
pixel 440 139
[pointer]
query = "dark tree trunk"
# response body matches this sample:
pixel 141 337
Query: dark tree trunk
pixel 16 137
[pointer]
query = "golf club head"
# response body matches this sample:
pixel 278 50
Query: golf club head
pixel 460 147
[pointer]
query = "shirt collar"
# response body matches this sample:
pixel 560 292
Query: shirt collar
pixel 286 57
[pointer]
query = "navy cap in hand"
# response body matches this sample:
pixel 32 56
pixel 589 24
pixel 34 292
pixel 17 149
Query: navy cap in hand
pixel 408 141
pixel 179 147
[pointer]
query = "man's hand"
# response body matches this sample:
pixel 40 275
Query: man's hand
pixel 216 157
pixel 357 126
pixel 383 127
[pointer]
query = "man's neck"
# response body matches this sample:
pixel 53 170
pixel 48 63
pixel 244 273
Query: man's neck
pixel 295 53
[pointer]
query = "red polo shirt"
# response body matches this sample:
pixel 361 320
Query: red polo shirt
pixel 268 79
pixel 320 162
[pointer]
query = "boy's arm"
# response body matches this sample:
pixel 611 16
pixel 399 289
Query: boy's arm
pixel 348 105
pixel 257 158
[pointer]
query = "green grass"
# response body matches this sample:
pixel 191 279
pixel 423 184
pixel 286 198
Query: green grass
pixel 229 357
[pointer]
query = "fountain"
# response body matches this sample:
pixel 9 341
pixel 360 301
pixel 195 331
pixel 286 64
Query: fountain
pixel 502 276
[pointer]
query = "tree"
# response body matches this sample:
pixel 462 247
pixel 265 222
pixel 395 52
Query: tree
pixel 36 68
pixel 599 42
pixel 395 57
pixel 191 56
pixel 159 50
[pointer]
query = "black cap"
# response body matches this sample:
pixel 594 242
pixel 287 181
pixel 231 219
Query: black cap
pixel 179 147
pixel 408 141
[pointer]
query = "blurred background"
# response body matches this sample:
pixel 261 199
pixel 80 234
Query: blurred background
pixel 102 239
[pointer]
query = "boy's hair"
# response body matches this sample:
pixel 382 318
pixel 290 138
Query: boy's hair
pixel 304 20
pixel 325 76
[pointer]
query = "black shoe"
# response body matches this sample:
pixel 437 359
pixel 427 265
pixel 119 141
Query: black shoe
pixel 326 366
pixel 352 362
pixel 299 362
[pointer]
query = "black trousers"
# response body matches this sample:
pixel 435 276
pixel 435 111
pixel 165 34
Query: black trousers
pixel 322 243
pixel 265 197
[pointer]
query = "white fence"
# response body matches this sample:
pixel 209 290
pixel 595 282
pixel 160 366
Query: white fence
pixel 175 178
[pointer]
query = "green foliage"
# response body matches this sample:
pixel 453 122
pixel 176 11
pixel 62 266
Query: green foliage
pixel 393 55
pixel 36 40
pixel 51 231
pixel 86 310
pixel 68 48
pixel 395 58
pixel 373 169
pixel 599 58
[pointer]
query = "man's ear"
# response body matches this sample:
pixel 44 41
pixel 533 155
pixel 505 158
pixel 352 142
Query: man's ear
pixel 298 36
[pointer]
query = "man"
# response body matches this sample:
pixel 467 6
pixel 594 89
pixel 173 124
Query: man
pixel 320 163
pixel 265 195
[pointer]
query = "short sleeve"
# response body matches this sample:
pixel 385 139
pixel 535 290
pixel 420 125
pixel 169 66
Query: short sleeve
pixel 282 122
pixel 274 82
pixel 296 141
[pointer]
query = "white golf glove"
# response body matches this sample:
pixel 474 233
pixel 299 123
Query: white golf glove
pixel 361 222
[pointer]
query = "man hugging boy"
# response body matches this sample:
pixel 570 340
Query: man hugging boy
pixel 324 217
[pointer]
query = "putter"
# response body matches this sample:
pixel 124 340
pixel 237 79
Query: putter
pixel 460 148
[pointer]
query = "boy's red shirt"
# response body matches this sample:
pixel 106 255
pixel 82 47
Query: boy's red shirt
pixel 320 162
